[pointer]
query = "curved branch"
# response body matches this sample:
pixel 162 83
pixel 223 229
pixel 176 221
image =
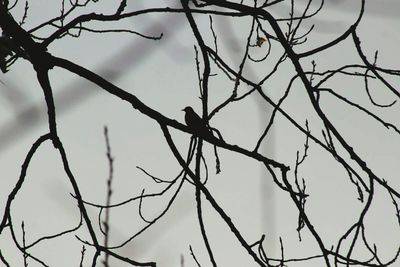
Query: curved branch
pixel 21 179
pixel 371 67
pixel 209 197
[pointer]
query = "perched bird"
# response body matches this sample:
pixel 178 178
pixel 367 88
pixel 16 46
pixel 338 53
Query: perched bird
pixel 194 122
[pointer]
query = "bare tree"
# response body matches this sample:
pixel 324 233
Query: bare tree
pixel 273 48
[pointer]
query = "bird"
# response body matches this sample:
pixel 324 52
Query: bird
pixel 197 124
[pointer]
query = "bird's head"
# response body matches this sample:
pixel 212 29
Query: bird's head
pixel 188 109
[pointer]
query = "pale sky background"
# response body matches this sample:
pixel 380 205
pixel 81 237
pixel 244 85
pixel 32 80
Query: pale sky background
pixel 162 74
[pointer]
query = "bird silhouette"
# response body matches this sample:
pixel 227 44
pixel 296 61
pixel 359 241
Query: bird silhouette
pixel 197 124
